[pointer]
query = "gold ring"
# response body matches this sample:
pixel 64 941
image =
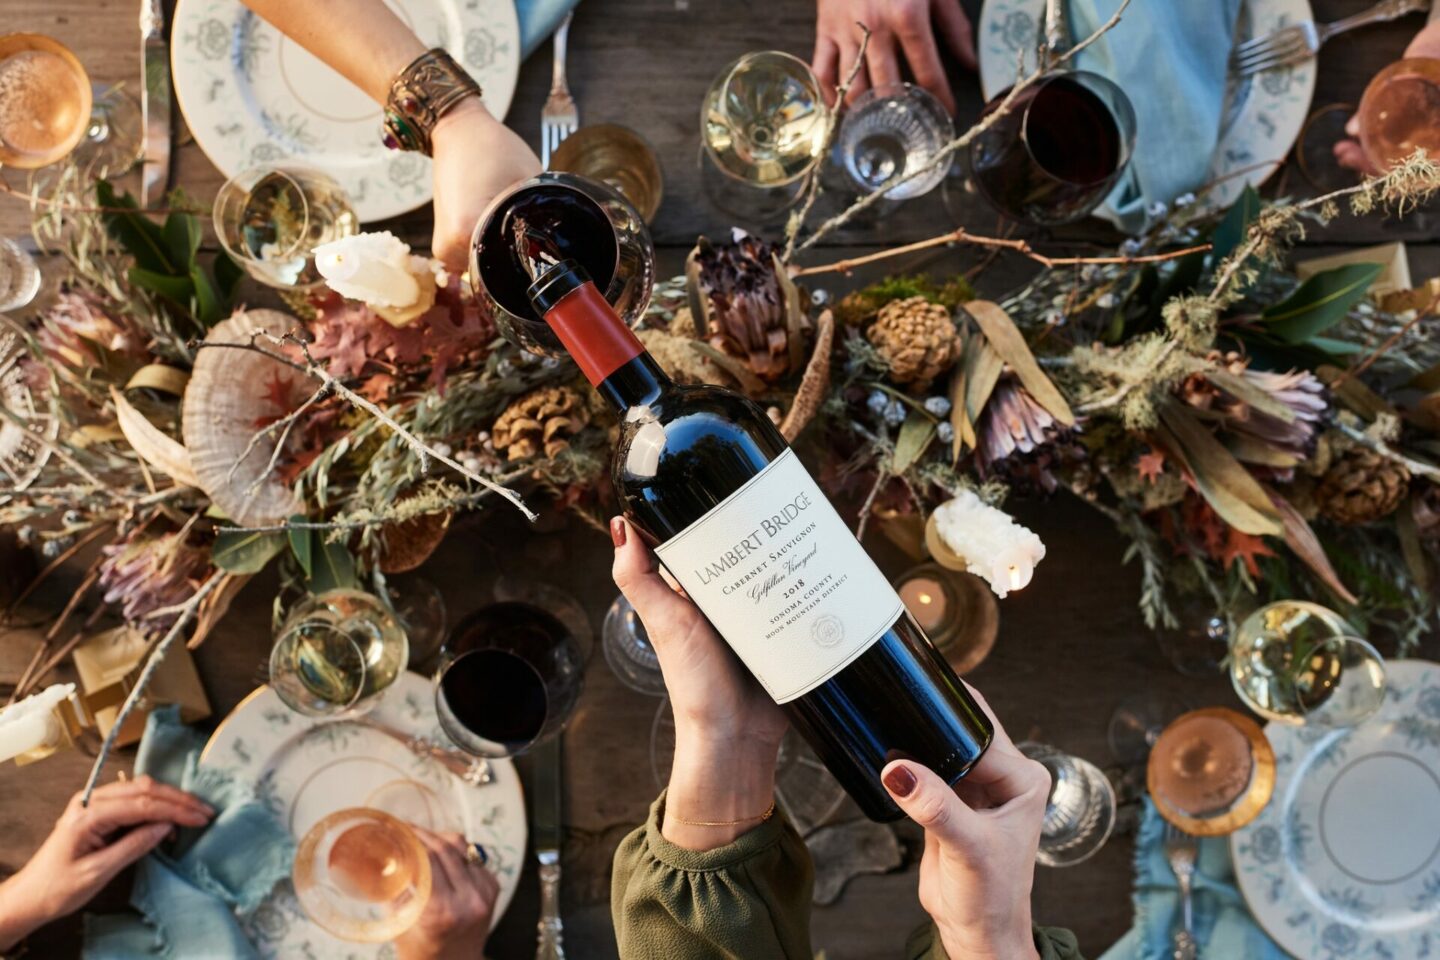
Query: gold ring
pixel 475 854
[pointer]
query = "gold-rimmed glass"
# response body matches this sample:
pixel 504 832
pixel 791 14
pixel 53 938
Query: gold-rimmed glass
pixel 45 100
pixel 1211 771
pixel 363 875
pixel 271 219
pixel 1400 112
pixel 618 157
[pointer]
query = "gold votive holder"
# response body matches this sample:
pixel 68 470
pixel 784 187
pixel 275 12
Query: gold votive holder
pixel 616 156
pixel 956 610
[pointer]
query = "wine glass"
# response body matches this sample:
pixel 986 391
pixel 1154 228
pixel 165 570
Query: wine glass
pixel 1080 810
pixel 763 126
pixel 1298 662
pixel 337 653
pixel 618 157
pixel 363 875
pixel 420 608
pixel 1196 646
pixel 1211 772
pixel 45 100
pixel 891 132
pixel 1138 722
pixel 589 222
pixel 628 649
pixel 19 276
pixel 509 676
pixel 1059 150
pixel 1400 112
pixel 271 219
pixel 114 140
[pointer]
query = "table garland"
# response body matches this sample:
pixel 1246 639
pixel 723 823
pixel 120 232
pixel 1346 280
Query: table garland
pixel 1227 417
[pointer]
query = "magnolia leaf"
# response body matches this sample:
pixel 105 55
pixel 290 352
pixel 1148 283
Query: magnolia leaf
pixel 333 566
pixel 1224 483
pixel 1009 342
pixel 915 435
pixel 175 289
pixel 228 275
pixel 241 552
pixel 159 376
pixel 207 303
pixel 1301 539
pixel 151 444
pixel 794 315
pixel 1230 231
pixel 182 238
pixel 302 545
pixel 974 380
pixel 1242 389
pixel 142 238
pixel 1336 348
pixel 1320 302
pixel 86 436
pixel 699 303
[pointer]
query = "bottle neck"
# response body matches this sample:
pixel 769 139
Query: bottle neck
pixel 607 351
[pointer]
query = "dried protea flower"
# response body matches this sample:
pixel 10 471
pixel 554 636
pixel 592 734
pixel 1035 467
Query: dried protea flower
pixel 79 332
pixel 1231 392
pixel 148 572
pixel 1019 441
pixel 739 302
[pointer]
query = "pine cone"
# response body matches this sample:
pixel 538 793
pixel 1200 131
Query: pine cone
pixel 917 338
pixel 542 420
pixel 1362 487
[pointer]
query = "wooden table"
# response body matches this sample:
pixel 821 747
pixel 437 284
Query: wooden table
pixel 1072 644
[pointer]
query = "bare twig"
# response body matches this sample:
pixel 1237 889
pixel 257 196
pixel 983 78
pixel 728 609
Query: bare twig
pixel 943 155
pixel 962 235
pixel 283 424
pixel 142 682
pixel 1390 341
pixel 812 184
pixel 863 518
pixel 1419 469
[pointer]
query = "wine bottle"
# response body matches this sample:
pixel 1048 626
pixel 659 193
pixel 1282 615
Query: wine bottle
pixel 738 522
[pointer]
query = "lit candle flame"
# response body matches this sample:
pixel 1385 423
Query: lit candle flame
pixel 925 598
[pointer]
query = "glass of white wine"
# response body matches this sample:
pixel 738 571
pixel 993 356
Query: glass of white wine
pixel 1299 662
pixel 271 219
pixel 336 653
pixel 363 875
pixel 763 128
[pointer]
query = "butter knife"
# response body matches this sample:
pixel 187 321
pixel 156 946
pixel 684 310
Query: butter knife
pixel 155 102
pixel 1055 36
pixel 545 823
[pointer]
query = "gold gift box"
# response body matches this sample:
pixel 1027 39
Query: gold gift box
pixel 109 664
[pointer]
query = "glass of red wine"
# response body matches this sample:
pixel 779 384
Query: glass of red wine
pixel 1058 152
pixel 509 676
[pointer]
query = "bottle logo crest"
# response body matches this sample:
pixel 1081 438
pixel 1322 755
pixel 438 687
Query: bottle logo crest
pixel 827 630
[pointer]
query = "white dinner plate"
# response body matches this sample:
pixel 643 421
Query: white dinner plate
pixel 306 769
pixel 1345 860
pixel 1263 114
pixel 253 96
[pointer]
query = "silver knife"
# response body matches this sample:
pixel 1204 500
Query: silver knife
pixel 155 102
pixel 545 817
pixel 1055 36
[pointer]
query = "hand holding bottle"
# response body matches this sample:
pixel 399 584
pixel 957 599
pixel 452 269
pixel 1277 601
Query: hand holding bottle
pixel 980 843
pixel 727 730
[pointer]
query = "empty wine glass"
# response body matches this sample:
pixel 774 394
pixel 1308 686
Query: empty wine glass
pixel 1400 112
pixel 1298 662
pixel 1211 772
pixel 628 649
pixel 114 140
pixel 363 875
pixel 1137 723
pixel 891 133
pixel 1080 810
pixel 420 607
pixel 337 653
pixel 763 127
pixel 271 219
pixel 1059 150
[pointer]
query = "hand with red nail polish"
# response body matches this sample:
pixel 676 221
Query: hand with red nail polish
pixel 1348 153
pixel 727 729
pixel 980 843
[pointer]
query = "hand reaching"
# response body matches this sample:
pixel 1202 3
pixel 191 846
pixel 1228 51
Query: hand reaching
pixel 980 843
pixel 912 25
pixel 727 729
pixel 476 158
pixel 89 846
pixel 1348 153
pixel 457 917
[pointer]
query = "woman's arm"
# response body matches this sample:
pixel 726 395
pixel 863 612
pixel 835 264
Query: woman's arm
pixel 362 39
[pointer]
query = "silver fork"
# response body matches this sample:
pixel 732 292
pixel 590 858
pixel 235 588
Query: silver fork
pixel 1300 41
pixel 1180 852
pixel 558 118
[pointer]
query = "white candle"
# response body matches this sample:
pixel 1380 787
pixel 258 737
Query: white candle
pixel 374 268
pixel 993 546
pixel 31 724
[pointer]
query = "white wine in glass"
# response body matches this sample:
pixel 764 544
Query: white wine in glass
pixel 271 219
pixel 336 653
pixel 45 100
pixel 764 119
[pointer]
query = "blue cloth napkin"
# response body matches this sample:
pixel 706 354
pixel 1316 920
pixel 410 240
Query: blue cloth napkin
pixel 190 898
pixel 1224 928
pixel 1170 57
pixel 538 19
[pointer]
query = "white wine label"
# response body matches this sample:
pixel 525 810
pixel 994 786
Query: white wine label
pixel 783 579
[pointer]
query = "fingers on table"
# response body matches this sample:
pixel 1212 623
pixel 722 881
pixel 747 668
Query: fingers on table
pixel 109 860
pixel 917 40
pixel 143 800
pixel 826 66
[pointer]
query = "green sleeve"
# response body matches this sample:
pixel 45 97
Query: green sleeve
pixel 1052 943
pixel 749 900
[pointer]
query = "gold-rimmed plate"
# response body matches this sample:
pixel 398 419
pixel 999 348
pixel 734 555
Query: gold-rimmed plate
pixel 305 768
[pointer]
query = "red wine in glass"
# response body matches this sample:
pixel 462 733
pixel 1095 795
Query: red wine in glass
pixel 1058 152
pixel 509 675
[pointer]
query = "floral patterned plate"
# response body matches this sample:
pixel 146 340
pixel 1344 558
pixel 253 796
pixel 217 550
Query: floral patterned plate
pixel 306 769
pixel 1263 115
pixel 253 96
pixel 1345 861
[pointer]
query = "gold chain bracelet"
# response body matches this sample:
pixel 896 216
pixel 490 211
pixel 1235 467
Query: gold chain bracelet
pixel 769 812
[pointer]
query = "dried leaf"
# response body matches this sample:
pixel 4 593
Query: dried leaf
pixel 1410 547
pixel 213 607
pixel 974 380
pixel 159 376
pixel 1010 343
pixel 915 435
pixel 699 303
pixel 794 315
pixel 1248 449
pixel 749 383
pixel 152 444
pixel 1305 545
pixel 811 393
pixel 1226 485
pixel 1353 393
pixel 1246 391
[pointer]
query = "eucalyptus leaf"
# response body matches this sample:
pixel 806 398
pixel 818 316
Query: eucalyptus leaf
pixel 175 289
pixel 242 552
pixel 1225 484
pixel 1242 389
pixel 1010 344
pixel 302 545
pixel 1320 302
pixel 141 237
pixel 1230 231
pixel 975 378
pixel 333 566
pixel 207 302
pixel 1301 539
pixel 916 434
pixel 182 239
